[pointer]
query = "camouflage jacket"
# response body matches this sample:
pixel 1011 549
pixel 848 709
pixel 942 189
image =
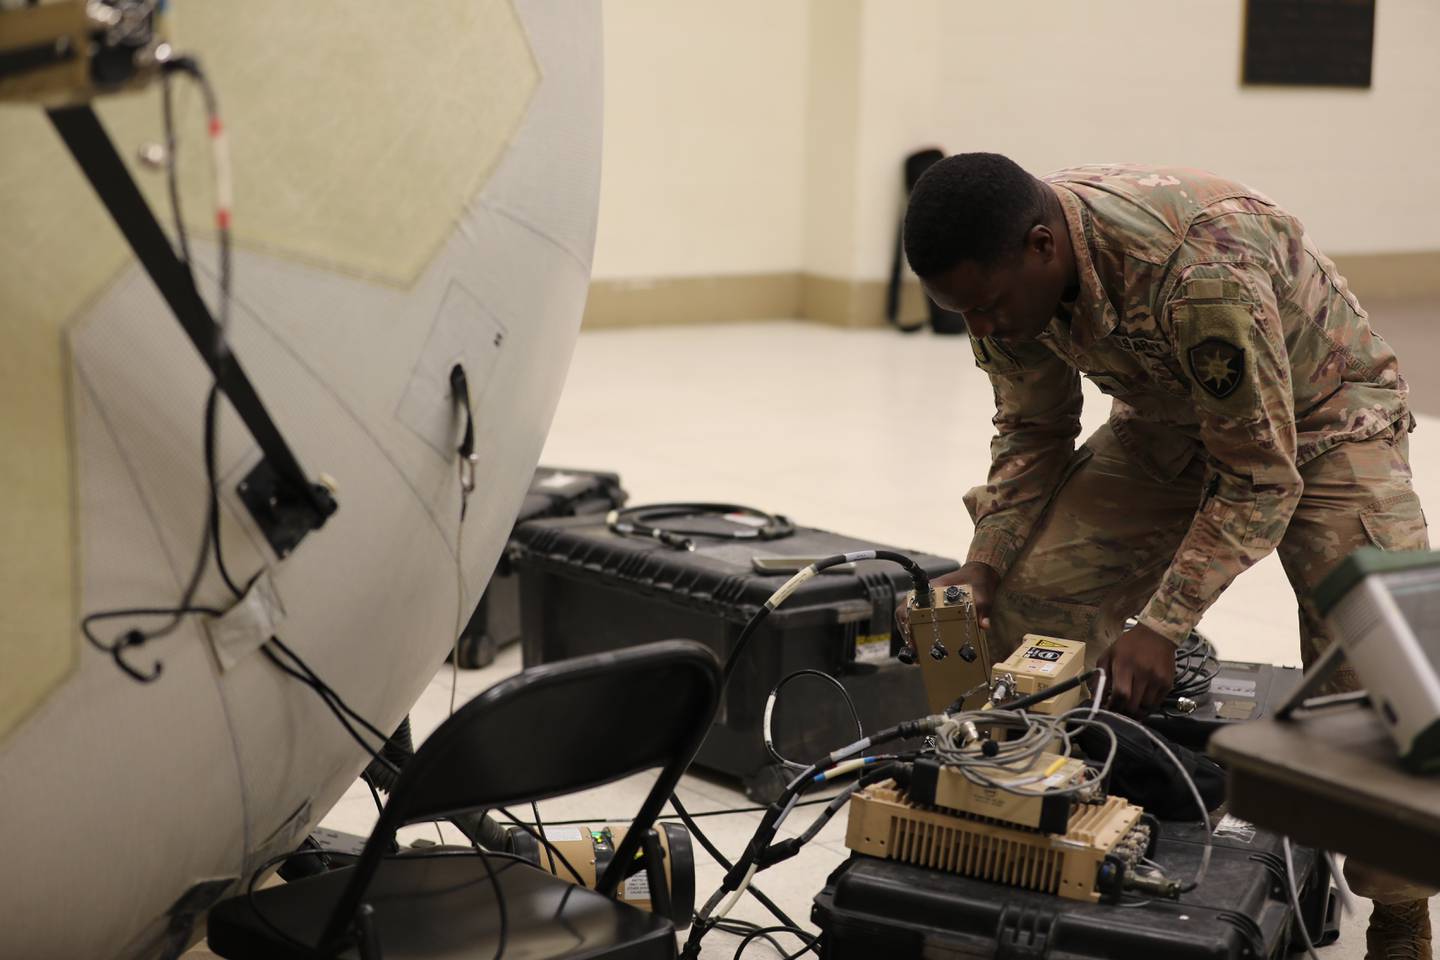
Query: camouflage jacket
pixel 1220 331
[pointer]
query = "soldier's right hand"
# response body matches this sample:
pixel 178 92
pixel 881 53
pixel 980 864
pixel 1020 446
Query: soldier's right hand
pixel 982 580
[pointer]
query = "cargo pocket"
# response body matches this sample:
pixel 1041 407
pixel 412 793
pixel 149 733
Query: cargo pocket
pixel 1396 522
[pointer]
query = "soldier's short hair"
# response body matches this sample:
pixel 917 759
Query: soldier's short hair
pixel 972 206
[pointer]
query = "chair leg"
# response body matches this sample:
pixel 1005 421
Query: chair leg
pixel 367 939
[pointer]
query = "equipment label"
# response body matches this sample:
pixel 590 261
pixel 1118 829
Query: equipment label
pixel 872 648
pixel 561 834
pixel 1231 687
pixel 1049 645
pixel 1233 828
pixel 1039 653
pixel 637 886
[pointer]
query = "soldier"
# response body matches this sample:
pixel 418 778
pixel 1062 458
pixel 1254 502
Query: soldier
pixel 1254 410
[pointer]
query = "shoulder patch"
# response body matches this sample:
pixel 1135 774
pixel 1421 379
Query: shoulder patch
pixel 1215 344
pixel 1218 366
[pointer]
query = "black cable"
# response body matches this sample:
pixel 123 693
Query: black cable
pixel 760 854
pixel 739 928
pixel 540 825
pixel 136 637
pixel 314 680
pixel 719 858
pixel 644 521
pixel 809 940
pixel 547 844
pixel 379 804
pixel 499 902
pixel 191 67
pixel 171 177
pixel 773 700
pixel 212 430
pixel 335 705
pixel 1197 664
pixel 693 815
pixel 919 578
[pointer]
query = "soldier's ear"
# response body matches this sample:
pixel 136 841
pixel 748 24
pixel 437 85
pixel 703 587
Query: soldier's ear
pixel 1041 240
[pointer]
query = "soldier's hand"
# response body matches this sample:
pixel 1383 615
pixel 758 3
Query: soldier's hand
pixel 982 580
pixel 1140 668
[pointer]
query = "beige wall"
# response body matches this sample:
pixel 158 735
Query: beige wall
pixel 703 161
pixel 765 138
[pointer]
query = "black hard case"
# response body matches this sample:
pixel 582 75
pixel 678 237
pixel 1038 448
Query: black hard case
pixel 872 908
pixel 584 589
pixel 554 492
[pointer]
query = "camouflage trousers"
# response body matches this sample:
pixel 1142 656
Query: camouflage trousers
pixel 1109 533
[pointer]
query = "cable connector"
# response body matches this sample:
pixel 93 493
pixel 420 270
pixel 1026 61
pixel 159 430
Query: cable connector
pixel 778 852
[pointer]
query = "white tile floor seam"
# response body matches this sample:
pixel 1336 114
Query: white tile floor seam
pixel 832 427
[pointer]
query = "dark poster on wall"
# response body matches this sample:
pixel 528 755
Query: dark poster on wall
pixel 1309 42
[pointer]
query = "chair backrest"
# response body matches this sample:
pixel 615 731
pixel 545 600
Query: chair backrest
pixel 555 729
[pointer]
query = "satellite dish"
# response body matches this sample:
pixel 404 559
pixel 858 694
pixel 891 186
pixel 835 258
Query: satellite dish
pixel 415 187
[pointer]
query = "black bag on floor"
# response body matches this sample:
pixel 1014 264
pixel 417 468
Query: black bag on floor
pixel 1143 774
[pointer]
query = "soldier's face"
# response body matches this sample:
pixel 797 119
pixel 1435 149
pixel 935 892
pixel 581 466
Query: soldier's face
pixel 1012 299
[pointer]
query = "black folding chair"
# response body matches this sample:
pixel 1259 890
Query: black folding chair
pixel 547 731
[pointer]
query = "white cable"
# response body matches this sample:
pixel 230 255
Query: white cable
pixel 1099 693
pixel 1348 902
pixel 790 586
pixel 1295 899
pixel 1194 790
pixel 735 897
pixel 790 805
pixel 840 769
pixel 459 600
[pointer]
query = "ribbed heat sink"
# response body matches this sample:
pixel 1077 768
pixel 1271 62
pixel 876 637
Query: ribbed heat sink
pixel 884 824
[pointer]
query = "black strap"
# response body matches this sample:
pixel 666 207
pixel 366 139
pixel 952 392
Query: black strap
pixel 88 142
pixel 460 388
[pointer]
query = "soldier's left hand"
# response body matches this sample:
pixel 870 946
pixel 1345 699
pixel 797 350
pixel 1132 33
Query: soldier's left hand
pixel 1140 668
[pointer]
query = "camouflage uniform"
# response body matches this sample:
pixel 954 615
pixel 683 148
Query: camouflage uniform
pixel 1254 409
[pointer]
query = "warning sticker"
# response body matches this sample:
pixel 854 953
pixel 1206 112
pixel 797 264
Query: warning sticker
pixel 1232 827
pixel 637 886
pixel 1233 710
pixel 872 648
pixel 1050 644
pixel 1040 653
pixel 1231 687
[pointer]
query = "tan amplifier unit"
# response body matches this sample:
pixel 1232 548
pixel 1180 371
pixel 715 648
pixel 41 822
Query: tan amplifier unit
pixel 665 886
pixel 952 650
pixel 1039 807
pixel 1038 664
pixel 885 823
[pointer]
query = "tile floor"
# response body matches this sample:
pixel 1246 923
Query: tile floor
pixel 866 432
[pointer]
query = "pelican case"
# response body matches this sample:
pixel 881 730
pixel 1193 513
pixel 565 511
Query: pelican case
pixel 1241 911
pixel 553 492
pixel 584 589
